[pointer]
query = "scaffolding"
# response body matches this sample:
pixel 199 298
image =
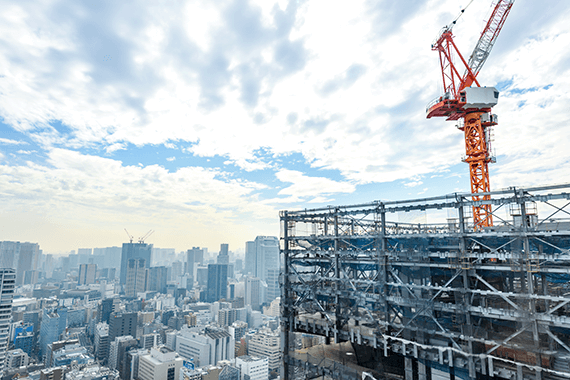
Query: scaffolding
pixel 437 296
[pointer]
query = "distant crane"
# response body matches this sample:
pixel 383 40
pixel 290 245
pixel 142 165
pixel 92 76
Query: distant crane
pixel 141 239
pixel 472 104
pixel 131 237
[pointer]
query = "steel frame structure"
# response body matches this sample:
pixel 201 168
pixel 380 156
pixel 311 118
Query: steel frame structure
pixel 446 296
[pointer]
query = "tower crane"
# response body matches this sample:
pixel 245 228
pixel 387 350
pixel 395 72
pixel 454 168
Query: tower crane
pixel 465 99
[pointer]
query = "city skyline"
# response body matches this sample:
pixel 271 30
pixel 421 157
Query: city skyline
pixel 202 120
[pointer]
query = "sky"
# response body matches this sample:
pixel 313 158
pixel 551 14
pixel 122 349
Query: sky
pixel 201 120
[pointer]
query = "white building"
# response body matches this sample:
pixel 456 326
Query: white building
pixel 266 344
pixel 205 347
pixel 7 283
pixel 16 359
pixel 254 367
pixel 161 364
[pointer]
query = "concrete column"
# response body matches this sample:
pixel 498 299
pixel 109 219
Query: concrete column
pixel 409 368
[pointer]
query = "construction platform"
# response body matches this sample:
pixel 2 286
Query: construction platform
pixel 421 294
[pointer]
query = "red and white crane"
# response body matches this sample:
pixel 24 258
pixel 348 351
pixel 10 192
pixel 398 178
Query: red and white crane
pixel 465 99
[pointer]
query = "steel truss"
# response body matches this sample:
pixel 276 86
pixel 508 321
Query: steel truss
pixel 470 301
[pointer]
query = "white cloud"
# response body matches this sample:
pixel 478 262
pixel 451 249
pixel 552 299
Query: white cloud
pixel 82 190
pixel 170 159
pixel 305 186
pixel 11 142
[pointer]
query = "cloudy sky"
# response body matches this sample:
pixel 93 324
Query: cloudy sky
pixel 202 119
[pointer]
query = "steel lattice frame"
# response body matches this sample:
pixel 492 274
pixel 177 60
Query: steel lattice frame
pixel 490 302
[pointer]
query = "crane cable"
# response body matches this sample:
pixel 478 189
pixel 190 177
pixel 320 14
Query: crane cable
pixel 450 26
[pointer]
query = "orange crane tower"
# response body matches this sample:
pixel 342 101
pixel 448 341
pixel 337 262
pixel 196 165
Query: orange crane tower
pixel 462 100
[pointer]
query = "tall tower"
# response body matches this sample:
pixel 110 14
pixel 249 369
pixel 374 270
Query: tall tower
pixel 267 255
pixel 224 256
pixel 7 282
pixel 136 277
pixel 134 251
pixel 217 282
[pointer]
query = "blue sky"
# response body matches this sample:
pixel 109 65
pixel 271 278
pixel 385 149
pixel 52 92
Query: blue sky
pixel 201 120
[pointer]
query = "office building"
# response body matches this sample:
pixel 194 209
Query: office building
pixel 191 261
pixel 56 346
pixel 176 270
pixel 224 255
pixel 122 324
pixel 147 341
pixel 253 367
pixel 252 291
pixel 266 344
pixel 28 259
pixel 9 254
pixel 118 354
pixel 16 358
pixel 134 251
pixel 87 274
pixel 160 364
pixel 54 322
pixel 133 358
pixel 250 258
pixel 101 341
pixel 272 281
pixel 217 282
pixel 157 279
pixel 7 284
pixel 206 347
pixel 25 342
pixel 267 255
pixel 136 277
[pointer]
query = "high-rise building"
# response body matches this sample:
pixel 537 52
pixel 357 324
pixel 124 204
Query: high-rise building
pixel 101 341
pixel 105 308
pixel 54 322
pixel 21 257
pixel 28 260
pixel 205 347
pixel 87 274
pixel 157 279
pixel 160 364
pixel 122 324
pixel 176 270
pixel 118 354
pixel 9 254
pixel 217 282
pixel 252 292
pixel 191 260
pixel 267 255
pixel 134 251
pixel 272 281
pixel 253 367
pixel 136 277
pixel 149 340
pixel 250 258
pixel 224 255
pixel 266 344
pixel 7 284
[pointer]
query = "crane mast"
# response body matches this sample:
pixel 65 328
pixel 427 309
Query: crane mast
pixel 471 104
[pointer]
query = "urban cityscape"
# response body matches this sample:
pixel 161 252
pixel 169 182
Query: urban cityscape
pixel 140 312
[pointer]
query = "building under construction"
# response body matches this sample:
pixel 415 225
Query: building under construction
pixel 413 289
